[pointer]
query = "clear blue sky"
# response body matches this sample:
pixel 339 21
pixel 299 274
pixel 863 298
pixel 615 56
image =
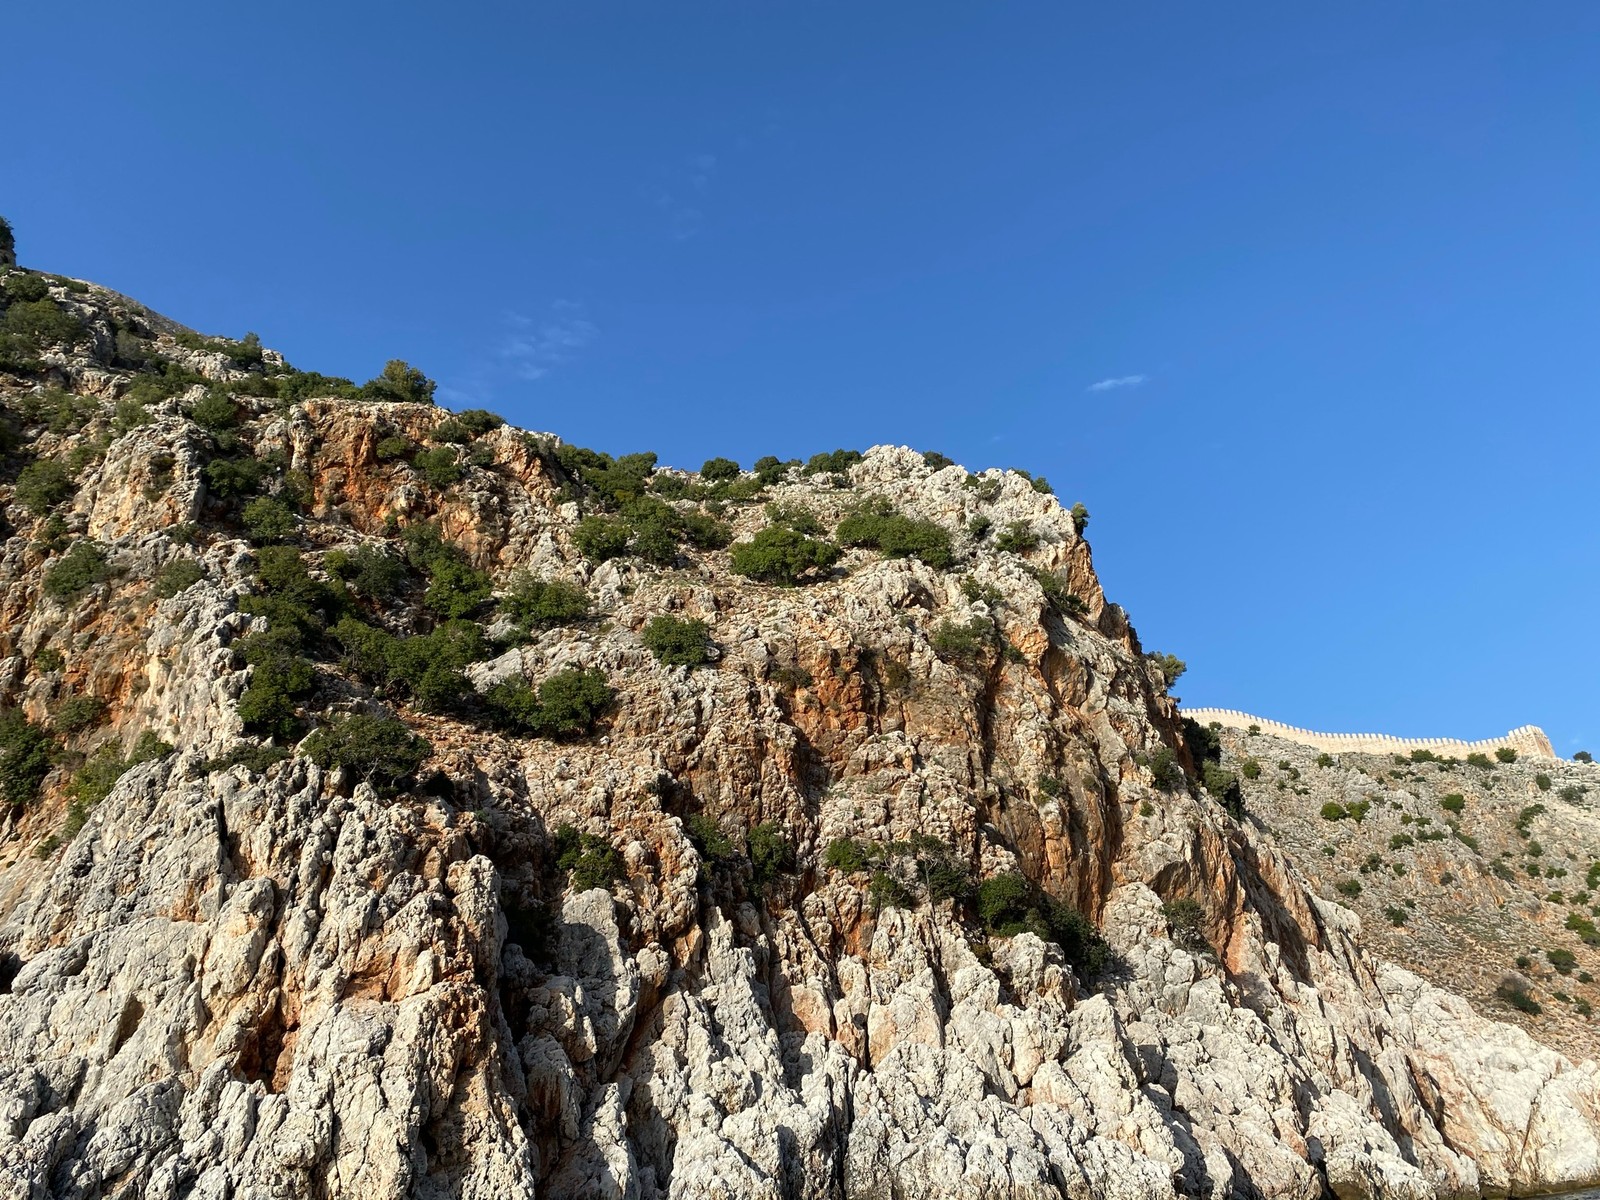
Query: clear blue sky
pixel 1342 258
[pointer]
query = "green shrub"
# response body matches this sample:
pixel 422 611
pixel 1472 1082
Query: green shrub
pixel 541 603
pixel 400 383
pixel 978 528
pixel 26 754
pixel 771 854
pixel 30 326
pixel 215 412
pixel 705 533
pixel 1584 928
pixel 1454 802
pixel 456 588
pixel 1186 922
pixel 229 478
pixel 570 701
pixel 394 446
pixel 1583 756
pixel 1542 782
pixel 1250 769
pixel 713 845
pixel 42 485
pixel 1562 960
pixel 1348 887
pixel 77 571
pixel 441 466
pixel 176 576
pixel 268 520
pixel 77 713
pixel 599 539
pixel 1572 793
pixel 782 556
pixel 480 421
pixel 57 410
pixel 1506 754
pixel 1479 760
pixel 380 749
pixel 877 525
pixel 613 481
pixel 834 463
pixel 592 861
pixel 253 758
pixel 1395 915
pixel 770 470
pixel 1399 841
pixel 1223 785
pixel 1080 519
pixel 847 855
pixel 676 642
pixel 1517 997
pixel 1169 666
pixel 885 890
pixel 94 780
pixel 1009 904
pixel 1334 811
pixel 371 570
pixel 277 680
pixel 1324 760
pixel 965 644
pixel 715 469
pixel 567 704
pixel 1017 538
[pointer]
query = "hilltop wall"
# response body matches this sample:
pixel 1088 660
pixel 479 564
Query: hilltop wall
pixel 1525 739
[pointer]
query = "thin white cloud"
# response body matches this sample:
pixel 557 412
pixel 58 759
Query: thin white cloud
pixel 539 344
pixel 1118 381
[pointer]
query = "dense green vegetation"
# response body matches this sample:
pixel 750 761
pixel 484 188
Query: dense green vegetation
pixel 783 556
pixel 677 642
pixel 380 749
pixel 26 755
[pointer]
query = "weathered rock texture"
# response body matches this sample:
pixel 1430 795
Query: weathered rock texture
pixel 241 984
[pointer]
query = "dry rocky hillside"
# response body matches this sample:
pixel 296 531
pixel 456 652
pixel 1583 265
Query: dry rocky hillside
pixel 1482 876
pixel 400 805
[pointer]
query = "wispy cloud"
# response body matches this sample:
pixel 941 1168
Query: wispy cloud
pixel 536 345
pixel 682 196
pixel 1119 381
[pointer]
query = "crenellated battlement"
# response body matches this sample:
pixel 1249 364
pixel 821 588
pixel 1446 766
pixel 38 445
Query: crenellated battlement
pixel 1525 739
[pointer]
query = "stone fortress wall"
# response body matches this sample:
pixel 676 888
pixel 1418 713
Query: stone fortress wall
pixel 1525 739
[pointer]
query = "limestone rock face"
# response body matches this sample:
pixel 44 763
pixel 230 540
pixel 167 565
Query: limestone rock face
pixel 270 980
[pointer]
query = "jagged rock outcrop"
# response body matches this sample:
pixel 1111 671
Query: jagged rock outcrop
pixel 273 979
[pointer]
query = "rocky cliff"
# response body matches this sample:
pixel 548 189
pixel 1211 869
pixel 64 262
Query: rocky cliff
pixel 398 804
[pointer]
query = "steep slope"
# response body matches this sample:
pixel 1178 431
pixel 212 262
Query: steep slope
pixel 1481 876
pixel 372 834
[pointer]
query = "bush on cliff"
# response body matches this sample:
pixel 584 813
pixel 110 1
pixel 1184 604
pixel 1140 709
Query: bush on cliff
pixel 677 642
pixel 26 754
pixel 782 556
pixel 1010 904
pixel 380 749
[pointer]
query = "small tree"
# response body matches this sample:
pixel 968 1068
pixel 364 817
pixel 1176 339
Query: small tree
pixel 782 556
pixel 676 642
pixel 75 572
pixel 378 748
pixel 1169 666
pixel 400 383
pixel 8 244
pixel 42 485
pixel 714 469
pixel 26 752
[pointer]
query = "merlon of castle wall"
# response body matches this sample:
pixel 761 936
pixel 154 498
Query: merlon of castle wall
pixel 1528 740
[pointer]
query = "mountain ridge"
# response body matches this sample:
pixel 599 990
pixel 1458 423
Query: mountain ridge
pixel 409 805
